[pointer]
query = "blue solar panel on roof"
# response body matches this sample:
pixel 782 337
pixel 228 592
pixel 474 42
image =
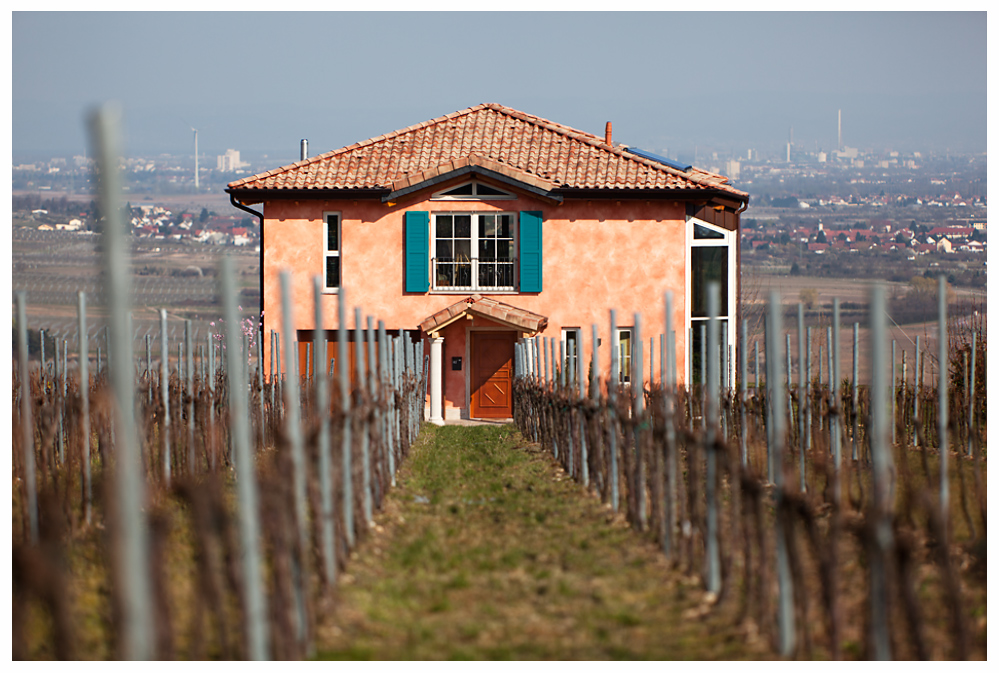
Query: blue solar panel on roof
pixel 655 157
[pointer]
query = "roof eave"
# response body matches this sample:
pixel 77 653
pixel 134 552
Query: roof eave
pixel 718 196
pixel 250 195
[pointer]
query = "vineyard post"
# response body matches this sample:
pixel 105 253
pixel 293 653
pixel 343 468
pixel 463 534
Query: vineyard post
pixel 837 417
pixel 409 368
pixel 756 356
pixel 384 370
pixel 770 348
pixel 964 369
pixel 27 426
pixel 538 375
pixel 81 311
pixel 942 403
pixel 808 389
pixel 58 394
pixel 690 376
pixel 662 360
pixel 343 377
pixel 189 376
pixel 130 529
pixel 149 368
pixel 669 415
pixel 361 386
pixel 272 371
pixel 594 392
pixel 612 386
pixel 802 396
pixel 790 391
pixel 565 384
pixel 165 393
pixel 41 342
pixel 375 427
pixel 743 386
pixel 254 597
pixel 917 381
pixel 392 345
pixel 785 604
pixel 971 390
pixel 260 376
pixel 882 467
pixel 279 382
pixel 893 392
pixel 321 383
pixel 905 387
pixel 556 368
pixel 855 390
pixel 712 557
pixel 638 388
pixel 704 368
pixel 65 373
pixel 210 377
pixel 294 429
pixel 727 361
pixel 829 360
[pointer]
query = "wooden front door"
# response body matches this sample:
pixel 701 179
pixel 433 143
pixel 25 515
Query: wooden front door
pixel 492 374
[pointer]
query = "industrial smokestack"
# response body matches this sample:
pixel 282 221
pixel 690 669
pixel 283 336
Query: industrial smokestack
pixel 305 149
pixel 839 131
pixel 608 131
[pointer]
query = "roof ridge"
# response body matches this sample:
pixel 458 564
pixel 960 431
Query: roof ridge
pixel 362 143
pixel 596 141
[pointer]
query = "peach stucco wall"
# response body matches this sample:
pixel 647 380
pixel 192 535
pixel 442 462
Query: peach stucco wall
pixel 598 255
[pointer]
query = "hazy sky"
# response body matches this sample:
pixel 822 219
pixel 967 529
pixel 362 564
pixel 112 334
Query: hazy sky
pixel 259 82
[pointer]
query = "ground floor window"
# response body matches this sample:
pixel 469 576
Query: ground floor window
pixel 622 341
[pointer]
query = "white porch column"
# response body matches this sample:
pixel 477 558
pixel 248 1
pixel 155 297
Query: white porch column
pixel 436 370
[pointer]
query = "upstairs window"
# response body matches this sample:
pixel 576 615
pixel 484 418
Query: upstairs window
pixel 474 251
pixel 331 251
pixel 472 191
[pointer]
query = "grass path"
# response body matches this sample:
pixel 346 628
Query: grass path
pixel 486 550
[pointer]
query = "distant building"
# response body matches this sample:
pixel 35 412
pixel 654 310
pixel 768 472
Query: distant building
pixel 229 162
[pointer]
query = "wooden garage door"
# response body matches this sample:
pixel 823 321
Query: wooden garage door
pixel 492 374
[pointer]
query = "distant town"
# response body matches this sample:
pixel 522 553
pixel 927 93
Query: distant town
pixel 809 208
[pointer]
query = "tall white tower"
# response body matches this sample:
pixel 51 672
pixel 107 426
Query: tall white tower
pixel 839 131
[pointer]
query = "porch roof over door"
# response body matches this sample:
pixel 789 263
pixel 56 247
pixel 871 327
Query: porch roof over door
pixel 516 318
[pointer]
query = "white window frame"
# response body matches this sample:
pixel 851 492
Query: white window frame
pixel 443 195
pixel 327 253
pixel 730 240
pixel 474 287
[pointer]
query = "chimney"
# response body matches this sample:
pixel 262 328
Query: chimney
pixel 607 134
pixel 305 149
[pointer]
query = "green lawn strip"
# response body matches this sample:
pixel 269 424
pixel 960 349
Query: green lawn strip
pixel 486 550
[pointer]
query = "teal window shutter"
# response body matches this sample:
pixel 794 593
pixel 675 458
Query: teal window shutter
pixel 417 232
pixel 530 251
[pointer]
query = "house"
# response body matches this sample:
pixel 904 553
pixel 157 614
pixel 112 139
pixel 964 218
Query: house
pixel 489 226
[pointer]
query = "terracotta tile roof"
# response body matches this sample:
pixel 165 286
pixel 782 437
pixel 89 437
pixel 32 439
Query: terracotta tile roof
pixel 532 149
pixel 489 308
